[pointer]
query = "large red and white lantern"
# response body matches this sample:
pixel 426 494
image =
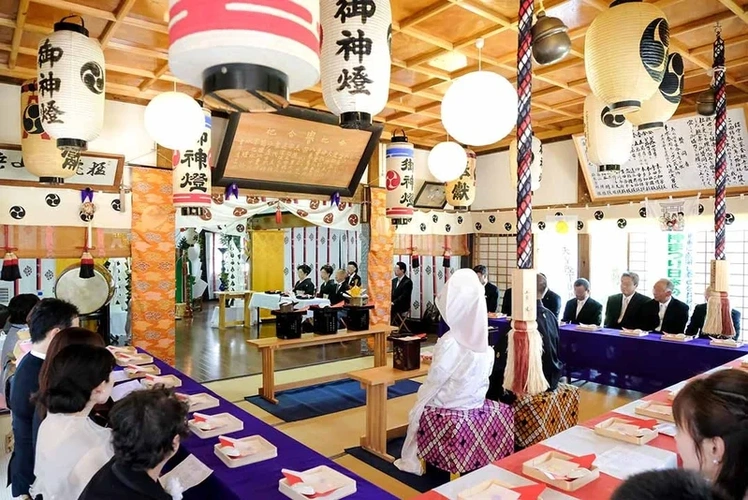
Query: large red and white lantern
pixel 400 179
pixel 264 49
pixel 191 181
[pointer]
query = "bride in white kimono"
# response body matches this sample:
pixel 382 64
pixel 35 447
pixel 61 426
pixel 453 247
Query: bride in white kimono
pixel 462 363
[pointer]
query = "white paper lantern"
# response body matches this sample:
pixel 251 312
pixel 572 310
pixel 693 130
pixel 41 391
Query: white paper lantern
pixel 659 108
pixel 72 86
pixel 246 56
pixel 191 176
pixel 460 193
pixel 356 59
pixel 447 161
pixel 480 108
pixel 174 120
pixel 609 137
pixel 536 166
pixel 400 179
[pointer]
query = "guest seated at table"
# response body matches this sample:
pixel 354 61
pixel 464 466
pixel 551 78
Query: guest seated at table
pixel 552 367
pixel 67 337
pixel 668 484
pixel 338 287
pixel 305 286
pixel 625 309
pixel 46 320
pixel 70 447
pixel 328 284
pixel 147 428
pixel 19 309
pixel 583 309
pixel 353 279
pixel 492 291
pixel 551 300
pixel 665 313
pixel 458 377
pixel 711 417
pixel 699 316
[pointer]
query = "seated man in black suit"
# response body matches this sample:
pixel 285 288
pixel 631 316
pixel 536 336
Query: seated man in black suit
pixel 583 309
pixel 339 287
pixel 551 300
pixel 624 310
pixel 699 316
pixel 506 302
pixel 402 289
pixel 665 313
pixel 492 291
pixel 552 367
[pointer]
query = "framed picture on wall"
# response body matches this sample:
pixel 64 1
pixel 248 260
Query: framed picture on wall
pixel 431 196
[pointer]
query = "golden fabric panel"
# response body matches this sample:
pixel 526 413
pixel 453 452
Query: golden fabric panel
pixel 267 268
pixel 153 250
pixel 65 242
pixel 381 253
pixel 431 244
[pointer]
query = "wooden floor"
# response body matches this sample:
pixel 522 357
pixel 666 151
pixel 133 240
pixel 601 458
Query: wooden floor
pixel 206 354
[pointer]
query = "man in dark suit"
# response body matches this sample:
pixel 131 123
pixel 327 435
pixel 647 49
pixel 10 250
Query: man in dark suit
pixel 583 309
pixel 339 287
pixel 551 300
pixel 47 318
pixel 402 289
pixel 506 302
pixel 665 313
pixel 699 316
pixel 624 310
pixel 492 291
pixel 552 366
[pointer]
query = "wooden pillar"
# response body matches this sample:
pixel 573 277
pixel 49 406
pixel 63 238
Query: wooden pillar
pixel 583 259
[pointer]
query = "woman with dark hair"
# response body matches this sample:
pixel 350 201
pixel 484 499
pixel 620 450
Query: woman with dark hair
pixel 328 284
pixel 711 416
pixel 353 278
pixel 70 448
pixel 668 484
pixel 147 428
pixel 19 309
pixel 305 286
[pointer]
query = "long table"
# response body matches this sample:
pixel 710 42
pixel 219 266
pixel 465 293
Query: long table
pixel 645 364
pixel 581 440
pixel 259 480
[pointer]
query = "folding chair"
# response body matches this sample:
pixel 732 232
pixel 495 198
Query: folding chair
pixel 400 321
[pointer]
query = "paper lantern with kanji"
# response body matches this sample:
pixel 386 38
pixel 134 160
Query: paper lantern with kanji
pixel 625 53
pixel 191 181
pixel 461 191
pixel 71 85
pixel 248 55
pixel 536 167
pixel 609 136
pixel 39 151
pixel 400 158
pixel 659 108
pixel 356 38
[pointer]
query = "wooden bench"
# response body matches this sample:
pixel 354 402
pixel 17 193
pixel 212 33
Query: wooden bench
pixel 375 381
pixel 268 346
pixel 222 298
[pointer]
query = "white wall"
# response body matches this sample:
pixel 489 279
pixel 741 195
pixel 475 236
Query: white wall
pixel 558 187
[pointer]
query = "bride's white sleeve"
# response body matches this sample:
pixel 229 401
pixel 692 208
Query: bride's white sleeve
pixel 446 360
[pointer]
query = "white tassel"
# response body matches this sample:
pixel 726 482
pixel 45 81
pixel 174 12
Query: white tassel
pixel 713 321
pixel 536 382
pixel 509 371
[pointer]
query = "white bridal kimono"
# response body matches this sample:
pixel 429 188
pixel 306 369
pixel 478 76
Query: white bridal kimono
pixel 463 360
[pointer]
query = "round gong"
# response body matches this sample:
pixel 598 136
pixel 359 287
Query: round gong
pixel 88 295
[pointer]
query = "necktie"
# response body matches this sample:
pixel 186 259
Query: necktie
pixel 623 309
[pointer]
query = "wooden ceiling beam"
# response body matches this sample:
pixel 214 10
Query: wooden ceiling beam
pixel 736 9
pixel 122 12
pixel 156 77
pixel 700 24
pixel 23 9
pixel 77 8
pixel 709 47
pixel 426 13
pixel 484 12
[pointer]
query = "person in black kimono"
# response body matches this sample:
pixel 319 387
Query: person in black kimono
pixel 305 286
pixel 353 279
pixel 552 367
pixel 328 284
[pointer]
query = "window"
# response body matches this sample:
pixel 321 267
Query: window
pixel 498 252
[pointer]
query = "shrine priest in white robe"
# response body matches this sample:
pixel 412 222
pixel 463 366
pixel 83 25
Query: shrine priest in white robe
pixel 462 363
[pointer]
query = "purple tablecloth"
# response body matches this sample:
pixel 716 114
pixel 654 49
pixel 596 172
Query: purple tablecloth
pixel 645 364
pixel 257 481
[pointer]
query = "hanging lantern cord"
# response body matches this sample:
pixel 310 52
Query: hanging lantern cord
pixel 524 137
pixel 720 166
pixel 479 43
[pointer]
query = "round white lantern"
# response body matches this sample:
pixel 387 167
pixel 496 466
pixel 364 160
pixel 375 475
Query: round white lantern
pixel 460 192
pixel 246 56
pixel 71 85
pixel 480 108
pixel 608 136
pixel 447 161
pixel 536 166
pixel 355 59
pixel 174 120
pixel 659 108
pixel 191 176
pixel 400 179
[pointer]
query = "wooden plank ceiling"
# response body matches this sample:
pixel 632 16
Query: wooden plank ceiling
pixel 135 38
